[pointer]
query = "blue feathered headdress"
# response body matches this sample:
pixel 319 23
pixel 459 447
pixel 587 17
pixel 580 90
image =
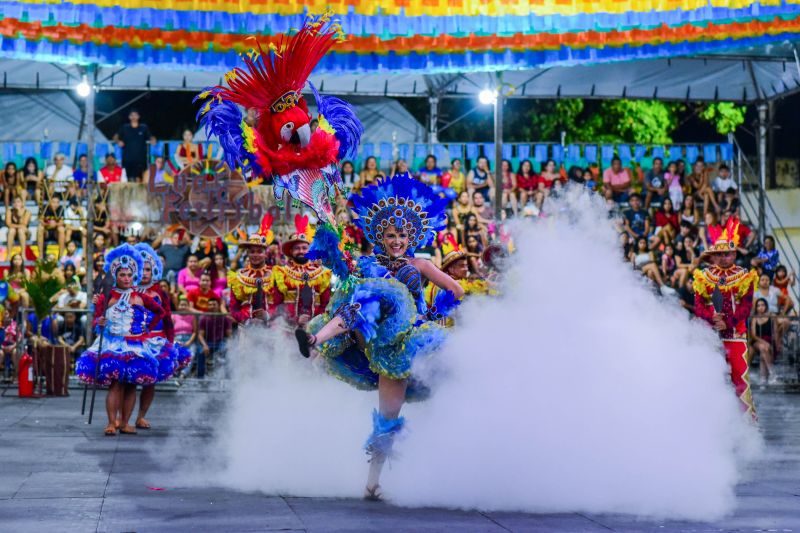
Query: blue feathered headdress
pixel 150 257
pixel 400 202
pixel 124 256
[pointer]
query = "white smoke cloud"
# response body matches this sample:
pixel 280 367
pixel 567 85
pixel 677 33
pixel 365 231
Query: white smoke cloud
pixel 577 390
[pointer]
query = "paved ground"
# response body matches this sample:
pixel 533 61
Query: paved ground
pixel 59 475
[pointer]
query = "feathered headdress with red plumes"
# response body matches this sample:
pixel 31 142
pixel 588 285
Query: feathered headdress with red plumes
pixel 303 232
pixel 728 240
pixel 264 236
pixel 452 251
pixel 282 145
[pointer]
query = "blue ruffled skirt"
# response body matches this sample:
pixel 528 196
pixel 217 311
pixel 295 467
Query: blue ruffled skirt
pixel 167 357
pixel 383 340
pixel 123 359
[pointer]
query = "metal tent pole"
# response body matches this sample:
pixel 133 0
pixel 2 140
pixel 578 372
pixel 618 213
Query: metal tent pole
pixel 762 170
pixel 498 149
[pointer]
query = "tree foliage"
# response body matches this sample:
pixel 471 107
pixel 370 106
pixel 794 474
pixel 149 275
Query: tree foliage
pixel 627 121
pixel 725 116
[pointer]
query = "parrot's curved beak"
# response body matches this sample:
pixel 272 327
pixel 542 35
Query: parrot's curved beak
pixel 303 134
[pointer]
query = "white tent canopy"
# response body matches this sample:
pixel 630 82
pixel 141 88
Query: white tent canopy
pixel 41 116
pixel 742 78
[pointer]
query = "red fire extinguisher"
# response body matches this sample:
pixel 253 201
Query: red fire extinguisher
pixel 25 376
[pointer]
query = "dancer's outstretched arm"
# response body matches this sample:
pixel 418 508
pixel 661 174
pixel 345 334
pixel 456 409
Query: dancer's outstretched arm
pixel 437 277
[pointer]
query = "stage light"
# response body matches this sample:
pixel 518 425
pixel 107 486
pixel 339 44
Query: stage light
pixel 488 96
pixel 83 88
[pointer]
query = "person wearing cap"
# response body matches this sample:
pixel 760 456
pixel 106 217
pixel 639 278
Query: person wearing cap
pixel 246 302
pixel 723 294
pixel 456 265
pixel 302 288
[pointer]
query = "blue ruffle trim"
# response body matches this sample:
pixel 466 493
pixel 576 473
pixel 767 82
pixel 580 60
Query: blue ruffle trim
pixel 383 433
pixel 128 361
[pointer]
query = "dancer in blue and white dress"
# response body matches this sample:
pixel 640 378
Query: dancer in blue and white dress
pixel 377 322
pixel 162 335
pixel 128 358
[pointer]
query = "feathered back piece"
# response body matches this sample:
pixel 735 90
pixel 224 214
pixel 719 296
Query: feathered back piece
pixel 276 76
pixel 400 202
pixel 150 257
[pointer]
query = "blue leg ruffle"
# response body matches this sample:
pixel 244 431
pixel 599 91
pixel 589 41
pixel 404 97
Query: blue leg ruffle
pixel 384 430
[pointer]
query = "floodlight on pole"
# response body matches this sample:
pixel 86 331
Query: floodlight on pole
pixel 488 96
pixel 83 88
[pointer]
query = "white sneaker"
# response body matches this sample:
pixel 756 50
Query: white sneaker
pixel 773 380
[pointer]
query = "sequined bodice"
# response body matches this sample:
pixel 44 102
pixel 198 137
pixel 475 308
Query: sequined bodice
pixel 125 319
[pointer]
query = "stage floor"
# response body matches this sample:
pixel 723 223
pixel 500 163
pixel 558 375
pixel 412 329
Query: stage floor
pixel 58 474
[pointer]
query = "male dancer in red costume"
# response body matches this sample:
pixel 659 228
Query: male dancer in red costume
pixel 723 297
pixel 302 288
pixel 251 286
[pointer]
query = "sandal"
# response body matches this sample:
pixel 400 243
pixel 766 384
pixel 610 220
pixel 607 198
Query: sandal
pixel 373 494
pixel 304 342
pixel 141 423
pixel 110 430
pixel 127 429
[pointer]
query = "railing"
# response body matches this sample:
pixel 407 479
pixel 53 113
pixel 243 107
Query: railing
pixel 56 317
pixel 748 179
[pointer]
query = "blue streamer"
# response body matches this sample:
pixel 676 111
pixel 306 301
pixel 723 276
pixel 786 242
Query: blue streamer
pixel 638 152
pixel 420 151
pixel 590 152
pixel 658 151
pixel 472 151
pixel 558 153
pixel 607 153
pixel 456 151
pixel 710 153
pixel 386 151
pixel 691 153
pixel 540 153
pixel 524 151
pixel 726 151
pixel 489 151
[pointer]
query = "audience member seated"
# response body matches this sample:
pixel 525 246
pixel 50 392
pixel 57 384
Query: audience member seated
pixel 189 276
pixel 13 184
pixel 762 337
pixel 527 182
pixel 644 261
pixel 70 334
pixel 58 176
pixel 480 179
pixel 617 181
pixel 768 257
pixel 51 225
pixel 188 152
pixel 454 178
pixel 18 220
pixel 509 186
pixel 111 172
pixel 33 178
pixel 81 173
pixel 655 184
pixel 430 173
pixel 636 221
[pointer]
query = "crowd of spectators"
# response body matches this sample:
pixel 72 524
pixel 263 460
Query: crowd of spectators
pixel 666 214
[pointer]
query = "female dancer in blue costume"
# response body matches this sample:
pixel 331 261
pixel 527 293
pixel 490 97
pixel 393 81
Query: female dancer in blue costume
pixel 128 358
pixel 375 326
pixel 170 356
